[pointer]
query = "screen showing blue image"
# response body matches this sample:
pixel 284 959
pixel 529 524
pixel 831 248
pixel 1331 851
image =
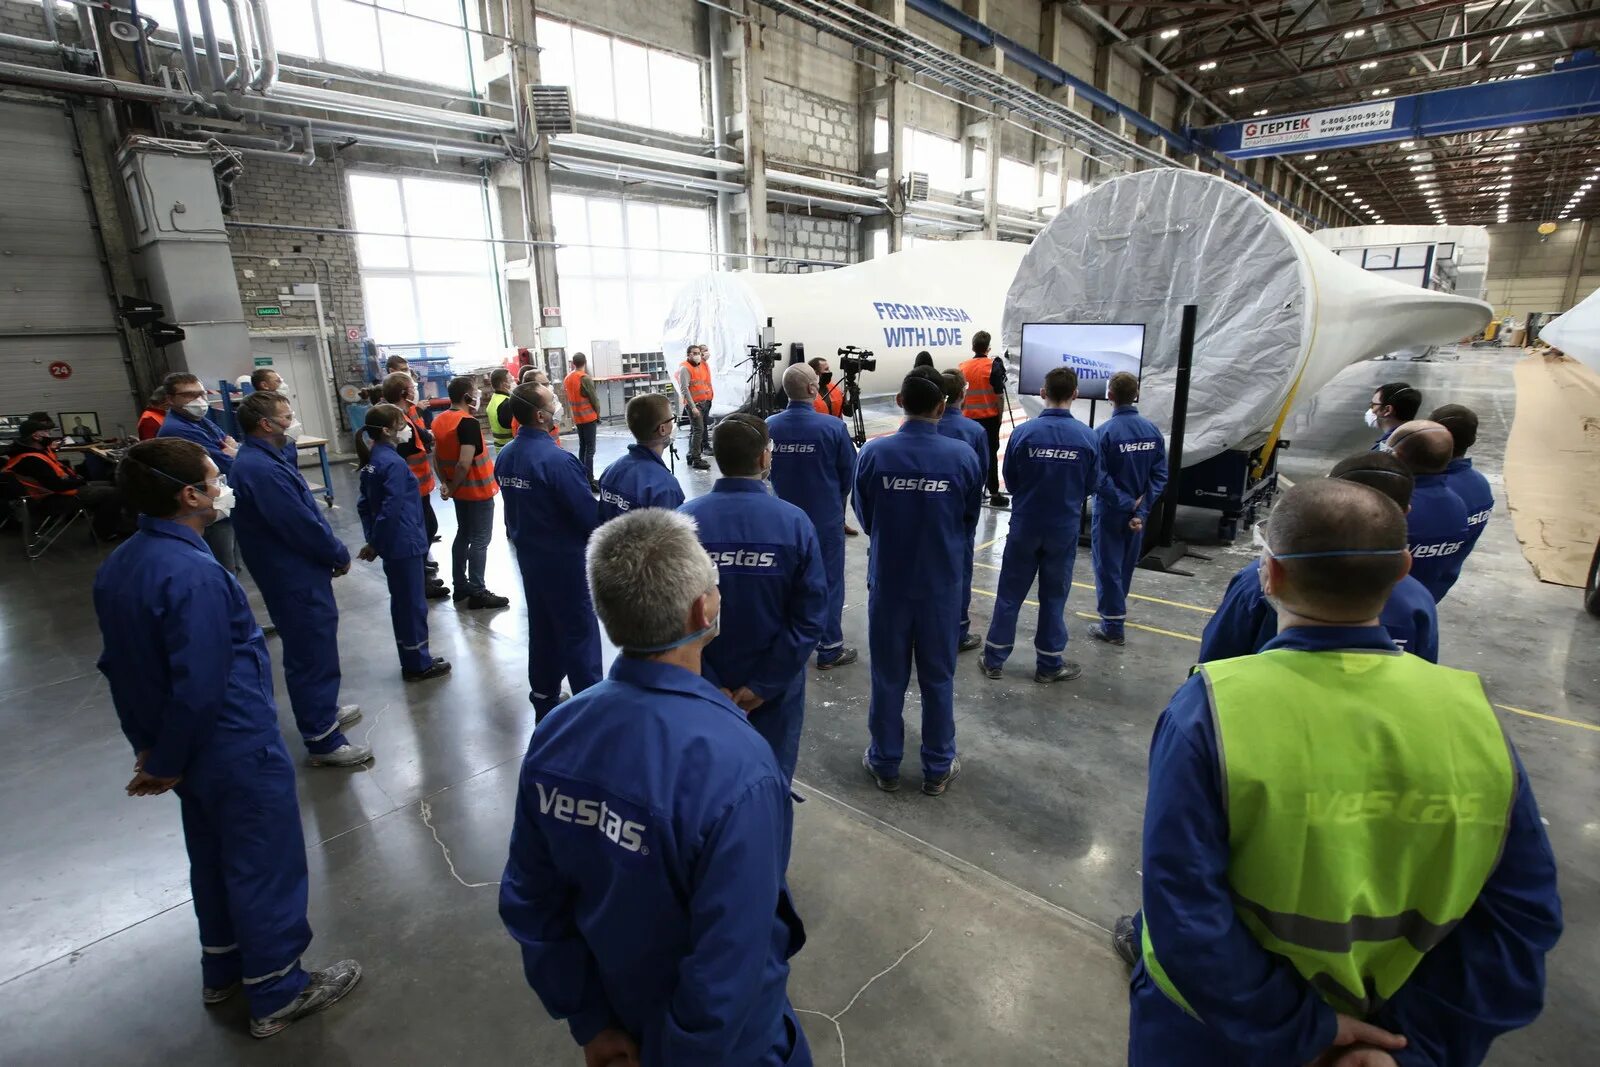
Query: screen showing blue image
pixel 1096 350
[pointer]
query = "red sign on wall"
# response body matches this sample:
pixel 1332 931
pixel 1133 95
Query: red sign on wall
pixel 60 369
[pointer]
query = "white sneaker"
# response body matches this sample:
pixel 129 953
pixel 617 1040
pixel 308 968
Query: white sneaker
pixel 348 713
pixel 346 755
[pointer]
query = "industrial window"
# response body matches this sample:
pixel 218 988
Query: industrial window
pixel 621 81
pixel 937 157
pixel 1019 185
pixel 880 243
pixel 381 36
pixel 621 263
pixel 427 272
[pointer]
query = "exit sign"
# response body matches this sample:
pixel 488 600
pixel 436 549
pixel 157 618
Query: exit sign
pixel 268 311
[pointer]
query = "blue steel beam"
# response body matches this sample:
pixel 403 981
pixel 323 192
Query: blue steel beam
pixel 1183 144
pixel 1572 91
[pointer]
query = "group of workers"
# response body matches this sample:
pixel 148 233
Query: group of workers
pixel 1320 886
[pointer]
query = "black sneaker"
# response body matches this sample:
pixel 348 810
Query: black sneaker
pixel 988 671
pixel 439 669
pixel 888 785
pixel 999 500
pixel 325 989
pixel 1099 632
pixel 436 590
pixel 1064 673
pixel 459 595
pixel 935 787
pixel 969 642
pixel 216 995
pixel 700 465
pixel 843 659
pixel 433 568
pixel 486 599
pixel 1125 940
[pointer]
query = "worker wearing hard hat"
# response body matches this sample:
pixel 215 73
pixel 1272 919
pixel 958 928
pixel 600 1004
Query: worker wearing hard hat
pixel 774 594
pixel 1320 884
pixel 1133 474
pixel 813 460
pixel 918 495
pixel 1245 622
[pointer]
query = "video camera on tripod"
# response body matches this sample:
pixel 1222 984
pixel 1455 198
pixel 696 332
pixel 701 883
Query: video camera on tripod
pixel 763 391
pixel 853 361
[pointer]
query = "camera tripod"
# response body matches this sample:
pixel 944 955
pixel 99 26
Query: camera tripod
pixel 762 393
pixel 852 403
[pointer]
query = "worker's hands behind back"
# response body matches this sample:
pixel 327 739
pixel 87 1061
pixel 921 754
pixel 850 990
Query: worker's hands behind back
pixel 611 1048
pixel 367 554
pixel 1359 1044
pixel 147 785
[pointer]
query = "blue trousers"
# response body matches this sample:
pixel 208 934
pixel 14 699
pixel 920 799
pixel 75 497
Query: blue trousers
pixel 563 634
pixel 966 586
pixel 1049 556
pixel 832 545
pixel 408 610
pixel 307 618
pixel 469 552
pixel 1114 550
pixel 247 871
pixel 780 721
pixel 901 632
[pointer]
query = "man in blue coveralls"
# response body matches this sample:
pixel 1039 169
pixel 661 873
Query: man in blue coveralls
pixel 187 412
pixel 955 425
pixel 1319 885
pixel 917 495
pixel 1437 525
pixel 1465 482
pixel 192 686
pixel 1133 473
pixel 813 460
pixel 1245 622
pixel 1051 466
pixel 1392 404
pixel 774 595
pixel 638 478
pixel 290 549
pixel 550 514
pixel 652 831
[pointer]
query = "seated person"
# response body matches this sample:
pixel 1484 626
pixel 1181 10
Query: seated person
pixel 54 489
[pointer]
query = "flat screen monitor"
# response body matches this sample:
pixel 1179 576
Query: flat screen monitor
pixel 1096 350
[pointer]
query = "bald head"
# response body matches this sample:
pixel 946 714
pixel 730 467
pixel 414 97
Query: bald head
pixel 1335 550
pixel 1423 446
pixel 800 382
pixel 1380 471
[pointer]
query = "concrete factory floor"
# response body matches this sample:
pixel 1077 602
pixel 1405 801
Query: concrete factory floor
pixel 961 930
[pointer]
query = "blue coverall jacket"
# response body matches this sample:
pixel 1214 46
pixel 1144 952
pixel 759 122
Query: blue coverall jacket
pixel 203 432
pixel 646 876
pixel 1475 492
pixel 1437 533
pixel 389 507
pixel 813 460
pixel 637 479
pixel 1485 978
pixel 1133 475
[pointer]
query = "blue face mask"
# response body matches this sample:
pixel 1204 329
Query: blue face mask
pixel 713 628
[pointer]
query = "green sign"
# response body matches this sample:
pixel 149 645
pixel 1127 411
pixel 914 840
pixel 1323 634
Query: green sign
pixel 268 311
pixel 263 361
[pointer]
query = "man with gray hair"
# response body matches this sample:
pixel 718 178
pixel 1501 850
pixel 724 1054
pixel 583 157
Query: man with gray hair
pixel 813 460
pixel 652 830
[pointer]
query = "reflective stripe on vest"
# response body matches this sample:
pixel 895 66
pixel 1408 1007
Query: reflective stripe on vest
pixel 981 401
pixel 479 484
pixel 577 403
pixel 1368 796
pixel 699 381
pixel 830 401
pixel 421 469
pixel 502 431
pixel 37 490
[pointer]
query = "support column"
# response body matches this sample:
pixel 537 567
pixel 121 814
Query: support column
pixel 754 137
pixel 532 178
pixel 991 182
pixel 882 89
pixel 1580 252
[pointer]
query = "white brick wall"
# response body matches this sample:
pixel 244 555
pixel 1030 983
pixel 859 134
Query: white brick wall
pixel 810 130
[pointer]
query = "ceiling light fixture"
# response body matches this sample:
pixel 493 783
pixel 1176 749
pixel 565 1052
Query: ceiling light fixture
pixel 1236 90
pixel 1310 157
pixel 1263 111
pixel 1209 65
pixel 1368 65
pixel 1529 35
pixel 1408 144
pixel 1513 131
pixel 1351 35
pixel 1167 35
pixel 1322 168
pixel 1525 67
pixel 1380 92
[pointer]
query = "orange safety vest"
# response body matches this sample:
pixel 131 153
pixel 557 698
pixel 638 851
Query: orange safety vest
pixel 582 410
pixel 479 484
pixel 830 401
pixel 699 381
pixel 150 421
pixel 35 490
pixel 981 401
pixel 421 469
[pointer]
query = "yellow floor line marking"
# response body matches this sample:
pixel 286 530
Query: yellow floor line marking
pixel 986 544
pixel 1131 596
pixel 1549 718
pixel 1096 618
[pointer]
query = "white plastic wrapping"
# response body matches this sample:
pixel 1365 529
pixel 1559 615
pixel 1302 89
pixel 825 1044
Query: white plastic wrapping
pixel 1279 314
pixel 934 296
pixel 1577 332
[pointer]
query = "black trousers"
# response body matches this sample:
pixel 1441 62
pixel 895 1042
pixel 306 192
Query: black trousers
pixel 991 426
pixel 430 521
pixel 587 432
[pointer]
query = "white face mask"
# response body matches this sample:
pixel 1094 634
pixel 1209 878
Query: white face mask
pixel 555 415
pixel 196 409
pixel 294 431
pixel 403 434
pixel 224 502
pixel 1372 418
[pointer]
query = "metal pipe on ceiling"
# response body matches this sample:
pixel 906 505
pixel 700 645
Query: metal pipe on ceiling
pixel 42 47
pixel 191 62
pixel 243 66
pixel 395 110
pixel 91 85
pixel 267 76
pixel 216 83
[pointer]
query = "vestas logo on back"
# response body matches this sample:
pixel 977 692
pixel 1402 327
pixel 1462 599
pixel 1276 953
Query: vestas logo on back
pixel 1052 453
pixel 511 481
pixel 614 498
pixel 793 446
pixel 744 559
pixel 623 833
pixel 1137 446
pixel 1480 518
pixel 1443 548
pixel 902 484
